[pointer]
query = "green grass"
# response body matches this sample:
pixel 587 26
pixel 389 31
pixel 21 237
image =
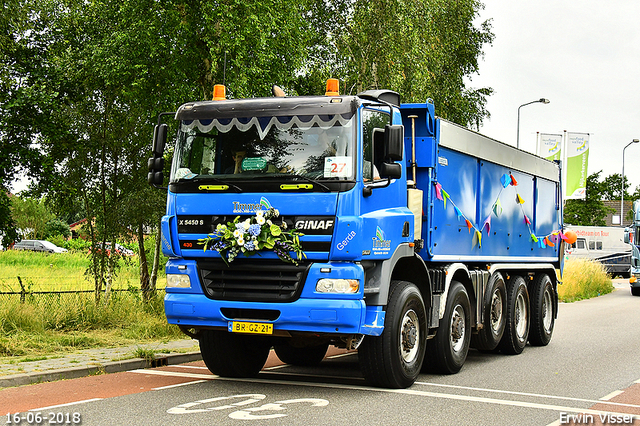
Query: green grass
pixel 60 271
pixel 47 324
pixel 583 279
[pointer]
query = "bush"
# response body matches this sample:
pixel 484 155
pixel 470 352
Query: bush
pixel 583 279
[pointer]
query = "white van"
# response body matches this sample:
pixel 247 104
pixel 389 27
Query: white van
pixel 604 244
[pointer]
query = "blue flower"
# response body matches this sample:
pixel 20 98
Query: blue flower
pixel 249 245
pixel 254 230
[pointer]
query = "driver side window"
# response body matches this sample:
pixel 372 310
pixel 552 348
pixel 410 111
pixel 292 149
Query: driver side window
pixel 371 119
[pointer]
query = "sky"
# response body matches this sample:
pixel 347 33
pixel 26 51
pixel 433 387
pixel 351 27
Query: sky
pixel 582 55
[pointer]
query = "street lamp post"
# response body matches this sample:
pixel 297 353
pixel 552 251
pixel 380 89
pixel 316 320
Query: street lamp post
pixel 622 193
pixel 542 101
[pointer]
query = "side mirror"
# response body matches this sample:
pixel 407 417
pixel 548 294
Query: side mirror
pixel 626 236
pixel 159 139
pixel 393 142
pixel 391 170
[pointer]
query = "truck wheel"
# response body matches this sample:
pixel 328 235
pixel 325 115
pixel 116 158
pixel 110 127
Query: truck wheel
pixel 307 356
pixel 516 331
pixel 542 311
pixel 447 351
pixel 635 291
pixel 495 303
pixel 233 355
pixel 393 359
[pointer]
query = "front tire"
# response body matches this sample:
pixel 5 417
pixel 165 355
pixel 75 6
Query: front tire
pixel 233 355
pixel 394 359
pixel 542 311
pixel 448 350
pixel 516 332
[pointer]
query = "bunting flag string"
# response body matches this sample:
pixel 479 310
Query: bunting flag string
pixel 506 180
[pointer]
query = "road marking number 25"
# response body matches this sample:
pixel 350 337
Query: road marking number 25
pixel 245 413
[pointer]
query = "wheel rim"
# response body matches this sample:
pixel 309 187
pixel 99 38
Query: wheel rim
pixel 521 317
pixel 458 331
pixel 547 310
pixel 410 336
pixel 496 311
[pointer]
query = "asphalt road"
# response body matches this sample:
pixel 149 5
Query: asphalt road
pixel 589 368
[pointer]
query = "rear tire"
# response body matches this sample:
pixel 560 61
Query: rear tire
pixel 394 359
pixel 307 356
pixel 233 355
pixel 635 291
pixel 542 311
pixel 495 302
pixel 516 332
pixel 448 350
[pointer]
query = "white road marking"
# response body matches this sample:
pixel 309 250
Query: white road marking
pixel 179 384
pixel 413 392
pixel 537 395
pixel 175 374
pixel 612 395
pixel 197 367
pixel 67 404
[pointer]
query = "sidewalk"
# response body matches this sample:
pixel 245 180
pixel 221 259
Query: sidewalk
pixel 97 361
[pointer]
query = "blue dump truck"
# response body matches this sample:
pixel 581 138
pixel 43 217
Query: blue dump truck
pixel 295 223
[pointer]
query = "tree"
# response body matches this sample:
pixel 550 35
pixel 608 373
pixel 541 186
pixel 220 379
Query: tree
pixel 591 211
pixel 31 217
pixel 611 187
pixel 422 49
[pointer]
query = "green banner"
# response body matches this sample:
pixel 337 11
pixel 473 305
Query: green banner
pixel 577 149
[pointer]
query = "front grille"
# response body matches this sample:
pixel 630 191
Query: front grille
pixel 268 281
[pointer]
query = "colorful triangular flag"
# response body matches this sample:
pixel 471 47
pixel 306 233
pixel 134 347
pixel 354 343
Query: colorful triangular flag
pixel 469 225
pixel 487 224
pixel 519 199
pixel 534 238
pixel 497 208
pixel 458 212
pixel 438 190
pixel 445 195
pixel 505 179
pixel 526 220
pixel 514 182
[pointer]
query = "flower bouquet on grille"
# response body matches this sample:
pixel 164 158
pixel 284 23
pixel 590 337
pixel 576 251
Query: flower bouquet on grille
pixel 254 234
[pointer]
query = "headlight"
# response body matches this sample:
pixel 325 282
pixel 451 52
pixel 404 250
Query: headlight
pixel 329 285
pixel 178 280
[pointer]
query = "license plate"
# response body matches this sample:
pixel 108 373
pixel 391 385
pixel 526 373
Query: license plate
pixel 250 327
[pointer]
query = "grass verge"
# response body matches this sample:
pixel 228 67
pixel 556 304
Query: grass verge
pixel 64 323
pixel 583 279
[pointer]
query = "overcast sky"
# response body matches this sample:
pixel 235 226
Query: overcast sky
pixel 584 56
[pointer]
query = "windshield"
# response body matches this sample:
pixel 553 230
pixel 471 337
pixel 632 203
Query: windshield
pixel 312 147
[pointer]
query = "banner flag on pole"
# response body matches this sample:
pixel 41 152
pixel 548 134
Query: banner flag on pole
pixel 550 146
pixel 577 152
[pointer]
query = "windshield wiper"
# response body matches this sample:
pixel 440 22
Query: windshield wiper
pixel 300 177
pixel 216 180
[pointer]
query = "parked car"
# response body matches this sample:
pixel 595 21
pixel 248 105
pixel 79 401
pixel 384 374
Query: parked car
pixel 122 251
pixel 38 245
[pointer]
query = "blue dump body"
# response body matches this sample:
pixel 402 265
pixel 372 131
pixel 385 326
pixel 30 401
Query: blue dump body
pixel 488 243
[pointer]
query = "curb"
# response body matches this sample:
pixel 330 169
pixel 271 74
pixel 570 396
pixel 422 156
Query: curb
pixel 97 368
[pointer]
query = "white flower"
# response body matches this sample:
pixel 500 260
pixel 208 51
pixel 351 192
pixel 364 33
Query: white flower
pixel 284 225
pixel 276 212
pixel 246 224
pixel 240 242
pixel 260 220
pixel 259 213
pixel 238 233
pixel 269 222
